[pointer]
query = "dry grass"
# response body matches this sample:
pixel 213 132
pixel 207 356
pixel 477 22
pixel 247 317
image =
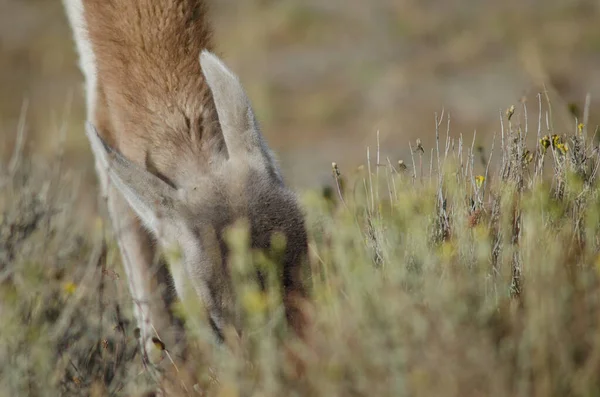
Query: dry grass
pixel 459 272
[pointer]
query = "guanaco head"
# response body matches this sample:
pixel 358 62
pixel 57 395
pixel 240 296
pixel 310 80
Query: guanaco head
pixel 244 182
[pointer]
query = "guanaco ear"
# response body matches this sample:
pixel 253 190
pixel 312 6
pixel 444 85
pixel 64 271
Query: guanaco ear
pixel 240 128
pixel 149 196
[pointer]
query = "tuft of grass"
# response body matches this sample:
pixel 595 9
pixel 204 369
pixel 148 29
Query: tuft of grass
pixel 462 271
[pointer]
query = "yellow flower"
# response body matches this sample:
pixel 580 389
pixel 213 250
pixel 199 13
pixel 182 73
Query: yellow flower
pixel 158 343
pixel 155 348
pixel 562 148
pixel 527 157
pixel 580 127
pixel 545 143
pixel 255 302
pixel 70 287
pixel 479 179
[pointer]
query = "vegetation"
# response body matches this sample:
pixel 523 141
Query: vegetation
pixel 453 273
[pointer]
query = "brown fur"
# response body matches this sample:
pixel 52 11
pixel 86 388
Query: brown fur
pixel 151 89
pixel 153 107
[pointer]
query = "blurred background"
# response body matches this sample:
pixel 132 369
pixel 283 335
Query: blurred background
pixel 325 76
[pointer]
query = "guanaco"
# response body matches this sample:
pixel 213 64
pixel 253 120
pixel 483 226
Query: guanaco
pixel 180 157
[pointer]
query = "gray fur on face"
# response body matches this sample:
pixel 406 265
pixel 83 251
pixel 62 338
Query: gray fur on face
pixel 195 213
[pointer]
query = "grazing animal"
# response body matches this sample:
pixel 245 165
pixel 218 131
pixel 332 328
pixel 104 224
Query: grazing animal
pixel 180 157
